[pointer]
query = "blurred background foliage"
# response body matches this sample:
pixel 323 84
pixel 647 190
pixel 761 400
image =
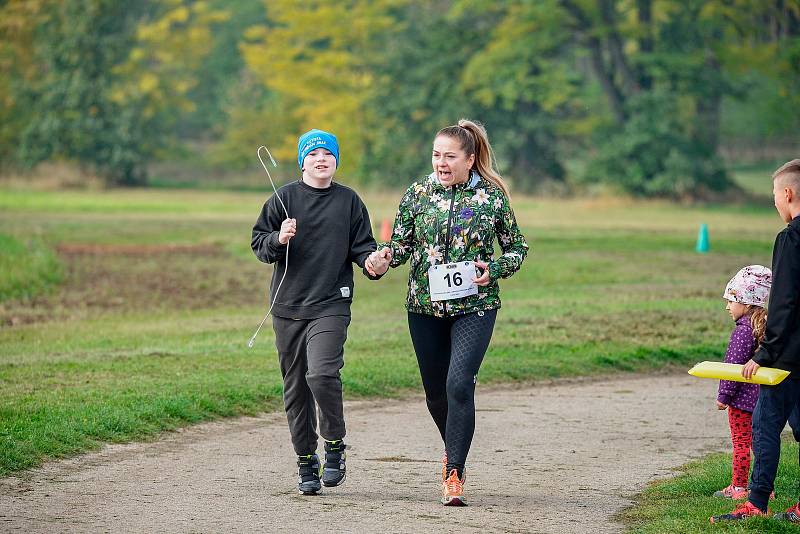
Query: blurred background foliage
pixel 657 98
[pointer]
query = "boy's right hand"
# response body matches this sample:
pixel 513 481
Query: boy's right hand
pixel 721 406
pixel 749 369
pixel 288 230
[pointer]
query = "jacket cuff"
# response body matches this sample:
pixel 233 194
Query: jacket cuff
pixel 274 243
pixel 494 270
pixel 724 398
pixel 376 277
pixel 762 358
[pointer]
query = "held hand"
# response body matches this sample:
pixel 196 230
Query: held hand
pixel 378 262
pixel 721 406
pixel 483 279
pixel 750 369
pixel 368 265
pixel 288 230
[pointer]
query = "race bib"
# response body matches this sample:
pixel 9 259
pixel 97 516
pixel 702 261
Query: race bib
pixel 452 280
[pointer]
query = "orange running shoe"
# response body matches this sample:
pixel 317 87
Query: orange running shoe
pixel 742 511
pixel 453 490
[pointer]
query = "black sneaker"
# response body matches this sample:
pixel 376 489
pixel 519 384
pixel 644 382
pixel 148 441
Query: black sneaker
pixel 791 515
pixel 308 474
pixel 333 472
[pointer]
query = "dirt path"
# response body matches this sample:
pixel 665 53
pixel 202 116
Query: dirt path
pixel 547 458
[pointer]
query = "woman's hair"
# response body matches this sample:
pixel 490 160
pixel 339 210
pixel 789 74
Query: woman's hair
pixel 758 321
pixel 474 140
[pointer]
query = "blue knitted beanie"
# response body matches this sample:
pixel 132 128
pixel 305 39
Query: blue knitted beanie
pixel 316 139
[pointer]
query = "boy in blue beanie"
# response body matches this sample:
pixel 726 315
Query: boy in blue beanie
pixel 329 230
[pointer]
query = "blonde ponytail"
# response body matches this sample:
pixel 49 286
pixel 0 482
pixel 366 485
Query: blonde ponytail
pixel 474 140
pixel 758 321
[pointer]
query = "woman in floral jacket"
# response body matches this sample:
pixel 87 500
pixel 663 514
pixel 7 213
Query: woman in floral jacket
pixel 446 225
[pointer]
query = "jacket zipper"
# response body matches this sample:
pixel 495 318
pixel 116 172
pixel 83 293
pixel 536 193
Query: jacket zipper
pixel 447 235
pixel 449 223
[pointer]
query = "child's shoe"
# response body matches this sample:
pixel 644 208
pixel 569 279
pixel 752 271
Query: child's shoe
pixel 742 511
pixel 453 490
pixel 792 514
pixel 334 470
pixel 732 492
pixel 308 474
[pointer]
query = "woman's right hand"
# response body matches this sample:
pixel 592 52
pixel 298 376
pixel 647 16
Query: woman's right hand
pixel 288 230
pixel 721 406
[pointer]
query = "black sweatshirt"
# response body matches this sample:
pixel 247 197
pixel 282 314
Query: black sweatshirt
pixel 333 232
pixel 781 345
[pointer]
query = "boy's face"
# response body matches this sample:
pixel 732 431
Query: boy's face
pixel 782 195
pixel 319 164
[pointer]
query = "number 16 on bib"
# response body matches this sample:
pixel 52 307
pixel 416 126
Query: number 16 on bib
pixel 452 280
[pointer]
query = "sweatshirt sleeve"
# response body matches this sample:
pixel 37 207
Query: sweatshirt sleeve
pixel 362 243
pixel 512 242
pixel 264 241
pixel 783 298
pixel 740 349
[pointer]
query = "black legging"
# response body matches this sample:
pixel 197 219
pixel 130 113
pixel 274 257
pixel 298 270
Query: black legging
pixel 449 352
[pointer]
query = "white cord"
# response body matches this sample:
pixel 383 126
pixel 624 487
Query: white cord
pixel 286 266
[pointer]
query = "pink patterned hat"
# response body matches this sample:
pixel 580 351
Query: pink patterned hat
pixel 750 286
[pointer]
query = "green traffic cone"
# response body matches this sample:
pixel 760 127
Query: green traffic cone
pixel 702 239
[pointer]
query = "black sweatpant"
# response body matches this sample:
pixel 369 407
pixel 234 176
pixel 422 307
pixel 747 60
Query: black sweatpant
pixel 449 352
pixel 311 354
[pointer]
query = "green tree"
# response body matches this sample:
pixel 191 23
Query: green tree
pixel 418 89
pixel 75 47
pixel 112 79
pixel 528 87
pixel 162 67
pixel 218 78
pixel 18 68
pixel 314 60
pixel 653 58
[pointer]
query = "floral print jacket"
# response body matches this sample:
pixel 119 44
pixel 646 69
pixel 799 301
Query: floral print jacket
pixel 437 224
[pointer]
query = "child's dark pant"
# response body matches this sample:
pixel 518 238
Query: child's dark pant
pixel 311 354
pixel 776 405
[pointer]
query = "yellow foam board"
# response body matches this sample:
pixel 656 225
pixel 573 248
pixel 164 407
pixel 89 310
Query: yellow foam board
pixel 731 371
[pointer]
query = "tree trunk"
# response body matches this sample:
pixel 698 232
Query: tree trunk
pixel 646 44
pixel 618 59
pixel 616 98
pixel 709 108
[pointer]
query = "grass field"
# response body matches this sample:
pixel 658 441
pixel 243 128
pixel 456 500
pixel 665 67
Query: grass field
pixel 684 504
pixel 140 320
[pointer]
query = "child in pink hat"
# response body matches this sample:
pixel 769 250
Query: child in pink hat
pixel 746 295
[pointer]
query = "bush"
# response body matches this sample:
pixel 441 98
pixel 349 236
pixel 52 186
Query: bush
pixel 654 153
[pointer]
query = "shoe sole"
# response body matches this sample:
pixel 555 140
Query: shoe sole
pixel 454 501
pixel 309 492
pixel 333 485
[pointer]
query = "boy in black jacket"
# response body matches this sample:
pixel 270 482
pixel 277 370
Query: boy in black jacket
pixel 780 348
pixel 329 230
